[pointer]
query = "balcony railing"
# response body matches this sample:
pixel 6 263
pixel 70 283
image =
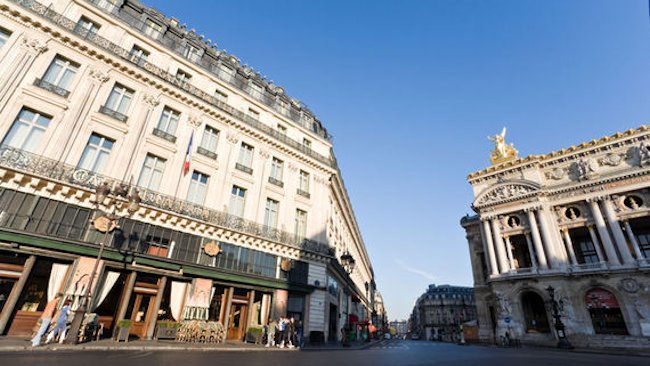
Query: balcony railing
pixel 243 168
pixel 105 44
pixel 39 166
pixel 164 135
pixel 276 182
pixel 303 193
pixel 51 88
pixel 205 152
pixel 113 114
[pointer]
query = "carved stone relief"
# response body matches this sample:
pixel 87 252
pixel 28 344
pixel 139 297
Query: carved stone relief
pixel 506 192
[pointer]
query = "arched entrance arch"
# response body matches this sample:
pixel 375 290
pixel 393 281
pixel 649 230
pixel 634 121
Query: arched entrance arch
pixel 535 317
pixel 605 312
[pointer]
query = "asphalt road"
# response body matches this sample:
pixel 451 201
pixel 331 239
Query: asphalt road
pixel 407 353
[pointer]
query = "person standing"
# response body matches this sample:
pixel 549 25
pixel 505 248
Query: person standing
pixel 282 327
pixel 273 325
pixel 61 323
pixel 291 333
pixel 46 319
pixel 299 334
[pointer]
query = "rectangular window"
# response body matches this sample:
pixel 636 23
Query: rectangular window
pixel 221 96
pixel 271 213
pixel 237 201
pixel 256 91
pixel 168 121
pixel 643 238
pixel 282 130
pixel 27 130
pixel 191 53
pixel 226 73
pixel 277 167
pixel 210 139
pixel 152 172
pixel 138 55
pixel 198 188
pixel 253 114
pixel 304 182
pixel 306 143
pixel 183 76
pixel 108 5
pixel 61 72
pixel 119 99
pixel 95 155
pixel 301 223
pixel 245 155
pixel 152 29
pixel 284 107
pixel 86 27
pixel 4 36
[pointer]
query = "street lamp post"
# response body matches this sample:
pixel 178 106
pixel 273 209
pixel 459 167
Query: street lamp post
pixel 104 224
pixel 556 306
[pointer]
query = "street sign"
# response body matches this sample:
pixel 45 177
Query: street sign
pixel 507 319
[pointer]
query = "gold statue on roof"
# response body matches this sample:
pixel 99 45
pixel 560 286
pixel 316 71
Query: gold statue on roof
pixel 502 151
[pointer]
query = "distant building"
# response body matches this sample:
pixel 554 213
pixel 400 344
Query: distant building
pixel 576 220
pixel 440 311
pixel 400 326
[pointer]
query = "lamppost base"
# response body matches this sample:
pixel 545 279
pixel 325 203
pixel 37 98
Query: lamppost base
pixel 564 343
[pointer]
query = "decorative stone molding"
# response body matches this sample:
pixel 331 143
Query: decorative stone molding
pixel 644 154
pixel 629 285
pixel 292 167
pixel 504 192
pixel 556 174
pixel 150 101
pixel 34 44
pixel 321 180
pixel 98 75
pixel 263 153
pixel 612 159
pixel 232 138
pixel 195 121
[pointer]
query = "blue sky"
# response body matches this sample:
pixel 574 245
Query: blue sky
pixel 411 90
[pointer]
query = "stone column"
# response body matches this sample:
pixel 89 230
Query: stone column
pixel 494 269
pixel 226 318
pixel 151 328
pixel 12 299
pixel 619 238
pixel 537 240
pixel 249 315
pixel 498 242
pixel 511 259
pixel 569 245
pixel 594 239
pixel 529 243
pixel 635 243
pixel 549 241
pixel 130 282
pixel 612 258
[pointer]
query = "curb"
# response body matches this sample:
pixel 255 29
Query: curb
pixel 138 348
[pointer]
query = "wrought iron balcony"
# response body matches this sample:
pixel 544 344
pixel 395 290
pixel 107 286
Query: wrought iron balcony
pixel 303 193
pixel 244 168
pixel 113 114
pixel 51 88
pixel 205 152
pixel 276 182
pixel 105 44
pixel 53 170
pixel 164 135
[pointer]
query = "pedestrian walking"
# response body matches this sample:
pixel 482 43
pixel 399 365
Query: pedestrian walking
pixel 299 334
pixel 46 320
pixel 291 334
pixel 61 323
pixel 282 326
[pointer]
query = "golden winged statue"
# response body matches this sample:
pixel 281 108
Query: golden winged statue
pixel 502 151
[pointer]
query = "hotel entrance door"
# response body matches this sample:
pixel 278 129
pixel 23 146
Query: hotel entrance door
pixel 237 320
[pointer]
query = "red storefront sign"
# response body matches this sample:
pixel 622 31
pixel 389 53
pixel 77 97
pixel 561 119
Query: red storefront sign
pixel 600 298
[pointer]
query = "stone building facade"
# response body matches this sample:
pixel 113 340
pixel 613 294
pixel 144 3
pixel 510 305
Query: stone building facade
pixel 441 310
pixel 576 220
pixel 243 215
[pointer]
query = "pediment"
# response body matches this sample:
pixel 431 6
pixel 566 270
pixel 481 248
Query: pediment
pixel 506 191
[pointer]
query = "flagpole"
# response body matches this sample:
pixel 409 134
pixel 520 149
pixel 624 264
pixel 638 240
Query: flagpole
pixel 186 164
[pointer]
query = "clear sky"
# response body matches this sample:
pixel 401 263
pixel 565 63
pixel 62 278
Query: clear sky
pixel 411 90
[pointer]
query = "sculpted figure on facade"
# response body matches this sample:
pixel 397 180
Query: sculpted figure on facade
pixel 644 154
pixel 505 308
pixel 502 151
pixel 585 169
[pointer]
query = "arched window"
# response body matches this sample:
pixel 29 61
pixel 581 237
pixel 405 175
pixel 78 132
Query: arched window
pixel 534 313
pixel 606 316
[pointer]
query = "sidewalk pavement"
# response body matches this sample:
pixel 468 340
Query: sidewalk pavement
pixel 22 344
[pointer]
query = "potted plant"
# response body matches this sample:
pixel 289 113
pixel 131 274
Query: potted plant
pixel 166 329
pixel 254 335
pixel 122 329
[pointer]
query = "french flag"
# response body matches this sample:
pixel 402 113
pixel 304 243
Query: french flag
pixel 186 163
